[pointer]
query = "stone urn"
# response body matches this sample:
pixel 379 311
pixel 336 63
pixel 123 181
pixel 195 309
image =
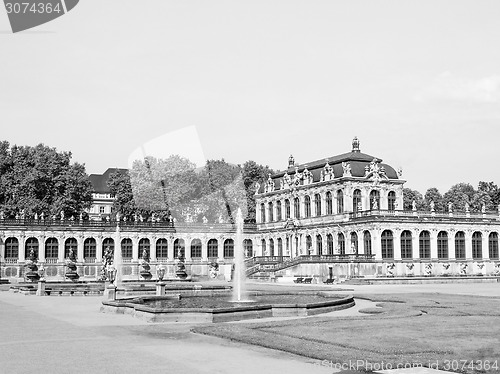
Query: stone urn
pixel 32 268
pixel 145 270
pixel 71 272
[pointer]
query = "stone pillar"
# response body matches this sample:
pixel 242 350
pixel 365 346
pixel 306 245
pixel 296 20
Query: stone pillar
pixel 98 248
pixel 187 249
pixel 2 247
pixel 484 244
pixel 41 248
pixel 361 243
pixel 433 239
pixel 376 246
pixel 415 244
pixel 79 248
pixel 60 248
pixel 451 245
pixel 204 249
pixel 152 248
pixel 135 248
pixel 170 249
pixel 220 248
pixel 397 244
pixel 22 248
pixel 468 245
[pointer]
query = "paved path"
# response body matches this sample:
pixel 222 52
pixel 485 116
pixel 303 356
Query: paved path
pixel 69 335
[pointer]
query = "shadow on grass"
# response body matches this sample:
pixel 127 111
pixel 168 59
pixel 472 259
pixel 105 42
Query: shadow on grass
pixel 417 328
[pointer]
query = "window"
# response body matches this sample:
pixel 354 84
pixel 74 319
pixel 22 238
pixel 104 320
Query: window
pixel 278 211
pixel 287 209
pixel 375 200
pixel 319 244
pixel 280 247
pixel 391 200
pixel 329 244
pixel 161 248
pixel 196 248
pixel 356 201
pixel 477 245
pixel 213 248
pixel 307 204
pixel 354 242
pixel 329 203
pixel 317 204
pixel 270 212
pixel 107 244
pixel 127 248
pixel 262 213
pixel 144 246
pixel 31 245
pixel 248 247
pixel 263 245
pixel 179 248
pixel 296 207
pixel 406 245
pixel 367 239
pixel 271 247
pixel 424 244
pixel 70 245
pixel 308 244
pixel 387 244
pixel 341 243
pixel 51 248
pixel 101 209
pixel 340 201
pixel 460 245
pixel 442 244
pixel 228 248
pixel 493 245
pixel 89 249
pixel 11 248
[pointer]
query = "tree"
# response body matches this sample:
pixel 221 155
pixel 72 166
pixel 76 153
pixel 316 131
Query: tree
pixel 493 192
pixel 433 194
pixel 253 173
pixel 459 195
pixel 40 179
pixel 120 186
pixel 409 196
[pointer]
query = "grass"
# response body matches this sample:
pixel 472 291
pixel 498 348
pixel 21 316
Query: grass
pixel 416 328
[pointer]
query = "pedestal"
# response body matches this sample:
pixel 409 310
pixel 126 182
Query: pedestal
pixel 110 292
pixel 41 288
pixel 160 289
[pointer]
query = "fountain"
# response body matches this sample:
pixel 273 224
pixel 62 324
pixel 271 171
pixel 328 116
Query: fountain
pixel 71 272
pixel 239 291
pixel 117 255
pixel 145 268
pixel 32 273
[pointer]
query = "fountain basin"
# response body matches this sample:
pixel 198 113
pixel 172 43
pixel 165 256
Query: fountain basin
pixel 206 309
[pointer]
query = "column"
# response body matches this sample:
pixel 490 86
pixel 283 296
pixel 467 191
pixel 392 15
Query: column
pixel 204 249
pixel 397 244
pixel 220 248
pixel 187 249
pixel 60 248
pixel 135 248
pixel 361 243
pixel 485 243
pixel 170 249
pixel 433 238
pixel 415 244
pixel 376 248
pixel 152 248
pixel 468 245
pixel 22 254
pixel 2 247
pixel 41 248
pixel 98 248
pixel 451 245
pixel 79 248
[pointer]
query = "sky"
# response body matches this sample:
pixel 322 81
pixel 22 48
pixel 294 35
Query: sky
pixel 418 82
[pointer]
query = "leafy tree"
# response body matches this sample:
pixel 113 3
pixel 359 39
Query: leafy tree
pixel 253 173
pixel 120 186
pixel 493 192
pixel 433 194
pixel 459 195
pixel 409 196
pixel 40 179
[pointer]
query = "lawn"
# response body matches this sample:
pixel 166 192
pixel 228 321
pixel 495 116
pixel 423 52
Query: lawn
pixel 422 329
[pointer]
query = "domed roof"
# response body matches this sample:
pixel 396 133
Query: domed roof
pixel 352 164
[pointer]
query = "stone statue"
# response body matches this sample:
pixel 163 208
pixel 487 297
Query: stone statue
pixel 257 188
pixel 42 216
pixel 2 215
pixel 483 208
pixel 432 206
pixel 467 207
pixel 375 204
pixel 346 167
pixel 62 215
pixel 36 216
pixel 414 205
pixel 328 172
pixel 450 207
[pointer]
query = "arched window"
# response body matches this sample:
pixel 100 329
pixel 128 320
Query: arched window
pixel 319 244
pixel 89 250
pixel 144 246
pixel 308 244
pixel 228 248
pixel 70 244
pixel 262 213
pixel 391 200
pixel 354 242
pixel 317 204
pixel 406 245
pixel 31 245
pixel 296 207
pixel 340 201
pixel 161 248
pixel 287 209
pixel 477 245
pixel 460 245
pixel 271 247
pixel 356 201
pixel 374 200
pixel 179 248
pixel 263 245
pixel 387 244
pixel 329 244
pixel 213 248
pixel 307 206
pixel 367 240
pixel 341 243
pixel 329 203
pixel 196 248
pixel 51 248
pixel 280 247
pixel 126 248
pixel 270 211
pixel 424 244
pixel 278 211
pixel 12 249
pixel 248 247
pixel 493 245
pixel 108 244
pixel 442 244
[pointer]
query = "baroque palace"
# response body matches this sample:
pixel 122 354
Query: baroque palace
pixel 340 216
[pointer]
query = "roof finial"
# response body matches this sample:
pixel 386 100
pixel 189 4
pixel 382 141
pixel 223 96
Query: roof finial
pixel 355 144
pixel 291 162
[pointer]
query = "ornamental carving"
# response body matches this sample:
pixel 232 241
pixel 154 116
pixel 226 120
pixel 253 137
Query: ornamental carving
pixel 328 172
pixel 346 168
pixel 374 171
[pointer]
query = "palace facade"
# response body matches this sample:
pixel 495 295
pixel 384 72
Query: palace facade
pixel 340 216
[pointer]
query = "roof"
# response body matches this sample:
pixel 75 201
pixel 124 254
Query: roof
pixel 100 181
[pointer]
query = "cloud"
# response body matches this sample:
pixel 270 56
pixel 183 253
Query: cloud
pixel 448 87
